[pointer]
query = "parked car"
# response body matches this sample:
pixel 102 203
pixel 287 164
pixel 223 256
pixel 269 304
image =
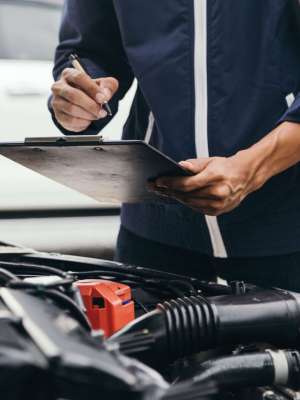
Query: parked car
pixel 29 33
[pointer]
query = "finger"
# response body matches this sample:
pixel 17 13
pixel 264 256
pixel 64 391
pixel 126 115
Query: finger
pixel 164 193
pixel 151 186
pixel 195 165
pixel 73 110
pixel 70 123
pixel 188 184
pixel 195 206
pixel 218 191
pixel 205 206
pixel 197 201
pixel 82 81
pixel 215 207
pixel 181 195
pixel 77 97
pixel 185 184
pixel 107 88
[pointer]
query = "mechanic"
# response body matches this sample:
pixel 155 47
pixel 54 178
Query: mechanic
pixel 218 89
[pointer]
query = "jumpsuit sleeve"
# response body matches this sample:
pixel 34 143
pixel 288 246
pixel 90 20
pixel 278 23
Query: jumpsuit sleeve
pixel 292 114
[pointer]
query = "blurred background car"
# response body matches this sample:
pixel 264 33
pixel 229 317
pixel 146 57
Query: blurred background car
pixel 29 33
pixel 35 211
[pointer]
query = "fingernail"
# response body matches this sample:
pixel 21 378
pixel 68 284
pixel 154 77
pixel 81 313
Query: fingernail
pixel 162 194
pixel 185 164
pixel 100 98
pixel 103 95
pixel 102 114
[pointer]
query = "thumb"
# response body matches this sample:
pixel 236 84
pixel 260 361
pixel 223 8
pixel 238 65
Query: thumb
pixel 195 165
pixel 107 88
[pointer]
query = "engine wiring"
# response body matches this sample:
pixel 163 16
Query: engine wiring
pixel 176 318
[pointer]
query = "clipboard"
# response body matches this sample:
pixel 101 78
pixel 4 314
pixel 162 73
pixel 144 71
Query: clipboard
pixel 107 171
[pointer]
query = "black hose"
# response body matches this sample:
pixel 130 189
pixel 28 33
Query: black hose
pixel 191 390
pixel 277 367
pixel 192 324
pixel 239 371
pixel 196 323
pixel 256 369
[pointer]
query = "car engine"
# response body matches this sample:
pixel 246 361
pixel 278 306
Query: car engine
pixel 75 328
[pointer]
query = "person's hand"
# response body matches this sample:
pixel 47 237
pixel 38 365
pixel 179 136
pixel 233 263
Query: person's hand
pixel 218 185
pixel 77 99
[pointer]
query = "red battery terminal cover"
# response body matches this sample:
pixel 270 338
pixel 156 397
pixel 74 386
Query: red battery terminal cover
pixel 108 304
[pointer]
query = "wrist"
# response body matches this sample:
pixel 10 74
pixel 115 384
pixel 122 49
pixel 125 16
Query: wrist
pixel 276 152
pixel 254 167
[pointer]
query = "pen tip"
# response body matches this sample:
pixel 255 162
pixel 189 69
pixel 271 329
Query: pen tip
pixel 107 109
pixel 72 57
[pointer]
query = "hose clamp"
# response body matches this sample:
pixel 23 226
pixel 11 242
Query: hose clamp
pixel 281 366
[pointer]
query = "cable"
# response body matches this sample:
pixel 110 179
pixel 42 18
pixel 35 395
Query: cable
pixel 77 263
pixel 22 267
pixel 37 286
pixel 185 284
pixel 7 276
pixel 71 306
pixel 155 284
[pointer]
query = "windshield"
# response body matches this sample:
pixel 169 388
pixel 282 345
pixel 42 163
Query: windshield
pixel 19 19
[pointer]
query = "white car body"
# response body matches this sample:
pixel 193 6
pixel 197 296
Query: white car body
pixel 23 99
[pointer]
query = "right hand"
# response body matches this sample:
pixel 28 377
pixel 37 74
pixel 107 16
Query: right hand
pixel 77 99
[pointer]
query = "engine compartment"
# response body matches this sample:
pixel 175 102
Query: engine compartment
pixel 76 328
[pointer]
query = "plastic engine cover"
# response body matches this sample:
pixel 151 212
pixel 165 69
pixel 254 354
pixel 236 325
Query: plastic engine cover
pixel 109 305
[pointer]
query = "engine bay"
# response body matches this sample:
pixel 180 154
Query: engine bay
pixel 81 328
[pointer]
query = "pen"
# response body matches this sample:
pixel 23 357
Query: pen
pixel 75 61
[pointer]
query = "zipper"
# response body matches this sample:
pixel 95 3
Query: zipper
pixel 290 98
pixel 201 111
pixel 150 127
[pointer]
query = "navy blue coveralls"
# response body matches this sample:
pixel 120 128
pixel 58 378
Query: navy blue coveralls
pixel 214 77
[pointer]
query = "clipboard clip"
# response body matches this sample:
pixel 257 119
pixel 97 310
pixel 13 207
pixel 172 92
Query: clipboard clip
pixel 64 140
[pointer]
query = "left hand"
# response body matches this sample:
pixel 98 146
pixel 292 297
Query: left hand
pixel 219 185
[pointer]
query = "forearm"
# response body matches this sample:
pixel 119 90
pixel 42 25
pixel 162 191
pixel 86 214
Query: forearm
pixel 220 184
pixel 275 153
